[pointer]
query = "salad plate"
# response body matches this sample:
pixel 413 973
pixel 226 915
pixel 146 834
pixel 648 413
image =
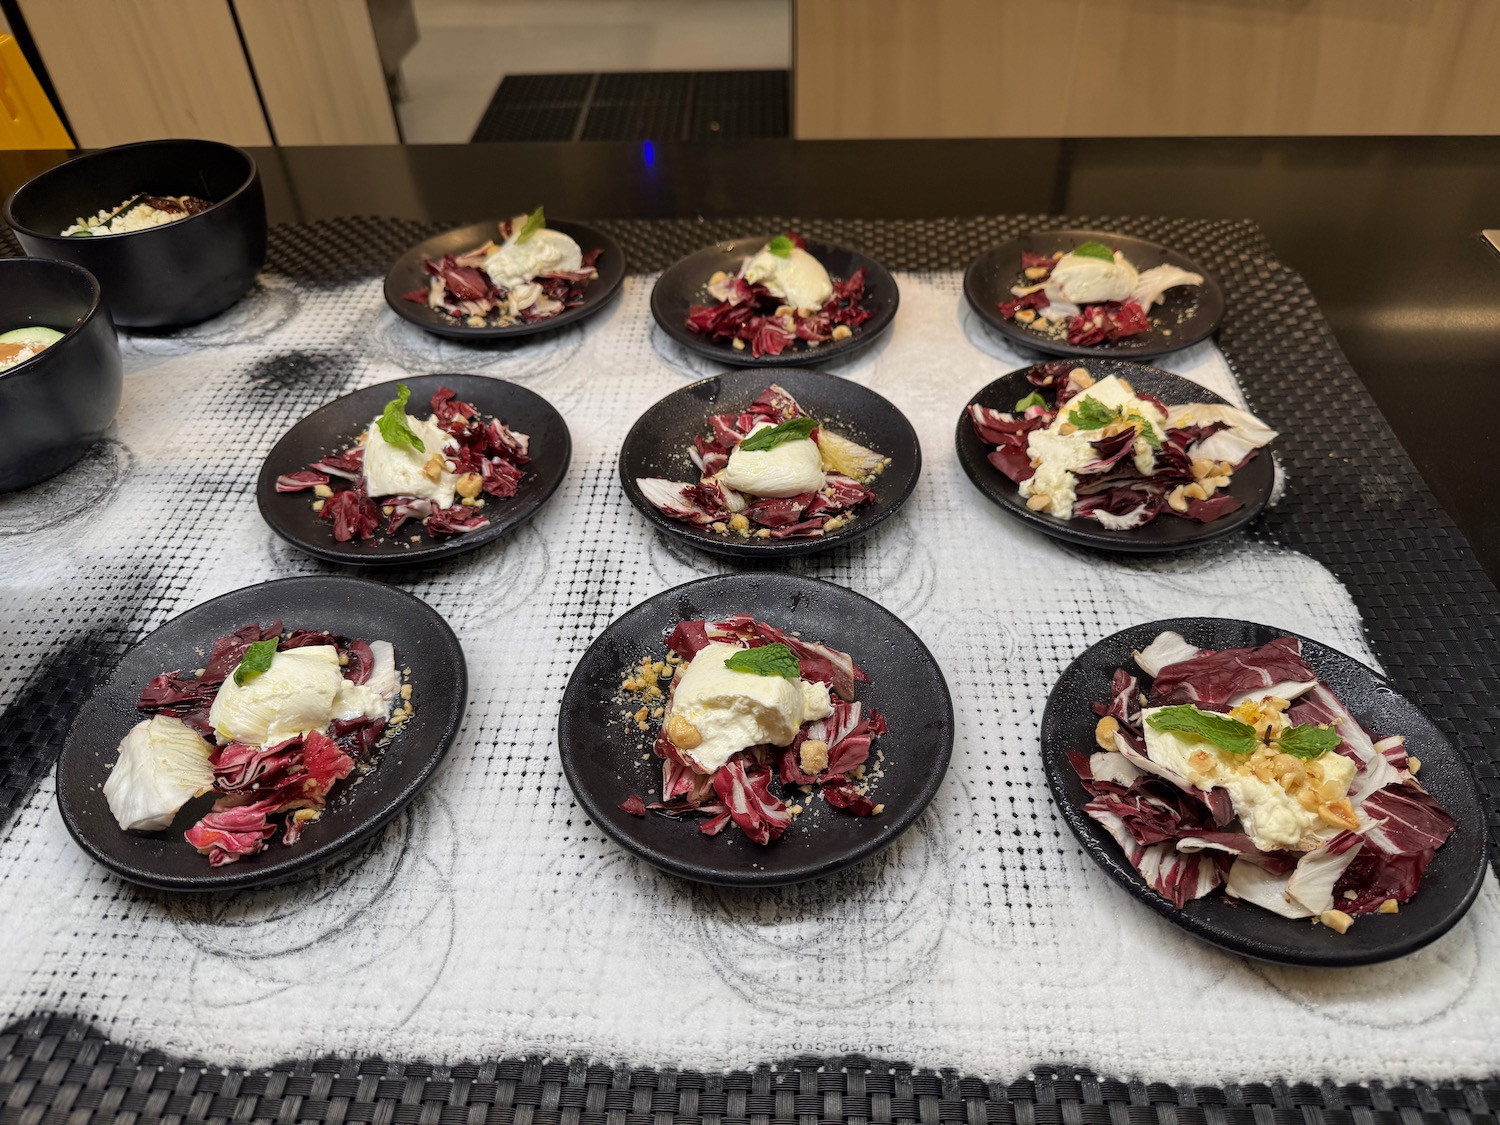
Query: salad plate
pixel 330 430
pixel 603 738
pixel 430 661
pixel 409 274
pixel 685 289
pixel 659 452
pixel 1184 316
pixel 1070 725
pixel 1249 486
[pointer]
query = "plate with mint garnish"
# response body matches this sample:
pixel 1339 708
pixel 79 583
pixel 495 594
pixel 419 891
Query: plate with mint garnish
pixel 755 730
pixel 1116 455
pixel 775 300
pixel 414 471
pixel 752 466
pixel 1088 292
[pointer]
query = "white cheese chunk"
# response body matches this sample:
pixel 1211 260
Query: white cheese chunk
pixel 547 251
pixel 293 696
pixel 163 764
pixel 799 279
pixel 392 470
pixel 790 469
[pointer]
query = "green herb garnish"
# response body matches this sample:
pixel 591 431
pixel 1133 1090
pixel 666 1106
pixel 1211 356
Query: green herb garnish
pixel 781 246
pixel 1033 399
pixel 1146 430
pixel 1304 741
pixel 795 429
pixel 1095 250
pixel 1091 414
pixel 1226 734
pixel 256 660
pixel 534 222
pixel 767 660
pixel 393 424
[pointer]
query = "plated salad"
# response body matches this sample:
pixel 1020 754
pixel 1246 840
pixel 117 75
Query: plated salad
pixel 434 472
pixel 1240 768
pixel 533 273
pixel 780 295
pixel 754 725
pixel 139 212
pixel 268 726
pixel 1089 295
pixel 770 472
pixel 1080 448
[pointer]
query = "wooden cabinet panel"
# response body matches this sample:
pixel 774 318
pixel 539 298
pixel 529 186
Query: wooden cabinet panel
pixel 955 68
pixel 132 70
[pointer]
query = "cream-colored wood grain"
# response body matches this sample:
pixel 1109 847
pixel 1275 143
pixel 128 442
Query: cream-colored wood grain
pixel 319 70
pixel 131 70
pixel 956 68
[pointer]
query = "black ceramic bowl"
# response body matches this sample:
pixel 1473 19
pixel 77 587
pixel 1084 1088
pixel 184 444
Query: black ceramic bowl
pixel 175 274
pixel 57 404
pixel 657 446
pixel 601 752
pixel 1448 888
pixel 685 284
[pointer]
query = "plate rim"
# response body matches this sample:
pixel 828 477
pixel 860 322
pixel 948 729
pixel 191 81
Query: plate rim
pixel 1029 340
pixel 298 864
pixel 782 548
pixel 428 553
pixel 1093 840
pixel 409 312
pixel 937 764
pixel 978 467
pixel 718 353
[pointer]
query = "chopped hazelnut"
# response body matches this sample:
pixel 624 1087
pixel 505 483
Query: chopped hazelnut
pixel 1336 920
pixel 683 734
pixel 433 469
pixel 842 332
pixel 1104 732
pixel 468 485
pixel 814 756
pixel 322 491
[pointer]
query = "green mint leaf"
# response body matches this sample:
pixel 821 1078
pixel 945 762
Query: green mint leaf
pixel 797 429
pixel 1033 399
pixel 393 424
pixel 256 660
pixel 767 660
pixel 534 222
pixel 1226 734
pixel 1146 430
pixel 1091 414
pixel 781 246
pixel 1094 250
pixel 1307 742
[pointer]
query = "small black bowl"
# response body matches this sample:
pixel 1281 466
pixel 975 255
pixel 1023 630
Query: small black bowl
pixel 175 274
pixel 601 752
pixel 1186 315
pixel 354 607
pixel 683 285
pixel 1252 484
pixel 407 274
pixel 56 405
pixel 1452 880
pixel 657 446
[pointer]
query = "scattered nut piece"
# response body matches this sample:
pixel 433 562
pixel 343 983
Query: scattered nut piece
pixel 1195 491
pixel 835 523
pixel 317 505
pixel 737 344
pixel 1339 813
pixel 1038 501
pixel 814 756
pixel 1025 316
pixel 1336 920
pixel 1202 467
pixel 1036 273
pixel 1067 428
pixel 740 523
pixel 322 491
pixel 877 810
pixel 720 526
pixel 1081 377
pixel 763 533
pixel 1389 906
pixel 468 485
pixel 683 734
pixel 433 470
pixel 1413 764
pixel 1105 731
pixel 1176 500
pixel 841 332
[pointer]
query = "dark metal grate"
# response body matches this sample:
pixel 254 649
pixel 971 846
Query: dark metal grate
pixel 629 106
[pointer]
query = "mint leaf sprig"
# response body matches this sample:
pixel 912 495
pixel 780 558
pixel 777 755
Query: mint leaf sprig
pixel 534 222
pixel 1094 250
pixel 1308 742
pixel 393 425
pixel 781 246
pixel 1227 734
pixel 766 660
pixel 257 659
pixel 794 429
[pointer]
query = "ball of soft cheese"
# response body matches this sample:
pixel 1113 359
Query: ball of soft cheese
pixel 399 470
pixel 163 764
pixel 546 251
pixel 293 696
pixel 735 710
pixel 1087 281
pixel 799 279
pixel 790 469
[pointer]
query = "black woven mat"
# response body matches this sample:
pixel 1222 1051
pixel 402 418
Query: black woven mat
pixel 1354 502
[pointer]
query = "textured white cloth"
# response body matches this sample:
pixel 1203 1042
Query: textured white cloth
pixel 493 920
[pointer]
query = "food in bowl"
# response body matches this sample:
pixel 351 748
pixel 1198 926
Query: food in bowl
pixel 139 212
pixel 20 344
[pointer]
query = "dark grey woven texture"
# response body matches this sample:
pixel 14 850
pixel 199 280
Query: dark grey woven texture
pixel 1354 502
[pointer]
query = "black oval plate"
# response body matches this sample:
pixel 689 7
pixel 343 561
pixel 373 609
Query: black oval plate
pixel 601 752
pixel 407 274
pixel 354 607
pixel 1448 889
pixel 1252 484
pixel 657 445
pixel 333 428
pixel 1190 313
pixel 683 285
